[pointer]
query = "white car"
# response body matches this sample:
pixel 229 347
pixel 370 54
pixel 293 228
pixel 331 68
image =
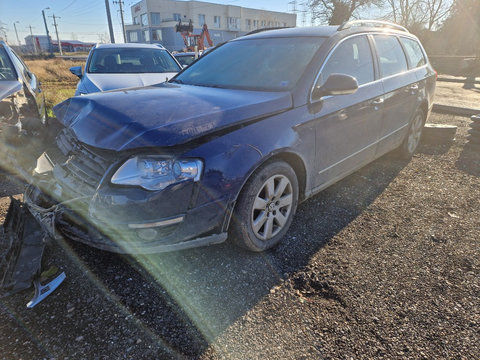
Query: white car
pixel 119 66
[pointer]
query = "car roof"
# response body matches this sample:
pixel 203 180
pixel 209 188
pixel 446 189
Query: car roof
pixel 348 28
pixel 129 45
pixel 322 31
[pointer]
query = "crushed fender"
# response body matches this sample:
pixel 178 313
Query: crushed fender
pixel 22 242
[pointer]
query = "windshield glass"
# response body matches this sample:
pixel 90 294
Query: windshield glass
pixel 274 64
pixel 7 71
pixel 131 60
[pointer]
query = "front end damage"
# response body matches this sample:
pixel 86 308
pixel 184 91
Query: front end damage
pixel 22 242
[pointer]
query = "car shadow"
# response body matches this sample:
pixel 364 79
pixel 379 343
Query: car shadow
pixel 202 291
pixel 469 159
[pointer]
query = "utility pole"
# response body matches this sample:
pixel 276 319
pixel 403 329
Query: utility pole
pixel 110 27
pixel 50 47
pixel 16 32
pixel 33 39
pixel 56 30
pixel 120 2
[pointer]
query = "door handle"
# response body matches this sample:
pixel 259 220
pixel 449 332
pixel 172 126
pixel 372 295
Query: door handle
pixel 376 103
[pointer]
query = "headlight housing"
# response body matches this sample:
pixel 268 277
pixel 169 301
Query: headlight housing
pixel 156 173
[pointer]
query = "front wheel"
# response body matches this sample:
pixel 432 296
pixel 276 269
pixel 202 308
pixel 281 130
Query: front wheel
pixel 265 207
pixel 412 139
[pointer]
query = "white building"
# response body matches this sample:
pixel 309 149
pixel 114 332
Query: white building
pixel 154 21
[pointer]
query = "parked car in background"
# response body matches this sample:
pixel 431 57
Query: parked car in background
pixel 119 66
pixel 22 107
pixel 232 144
pixel 185 58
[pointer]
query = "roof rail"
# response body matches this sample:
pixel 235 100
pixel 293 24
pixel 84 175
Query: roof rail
pixel 371 23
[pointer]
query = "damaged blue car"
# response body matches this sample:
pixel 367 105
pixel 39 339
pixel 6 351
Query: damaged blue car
pixel 232 144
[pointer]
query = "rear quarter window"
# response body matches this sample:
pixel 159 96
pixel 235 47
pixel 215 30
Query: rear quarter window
pixel 390 54
pixel 414 52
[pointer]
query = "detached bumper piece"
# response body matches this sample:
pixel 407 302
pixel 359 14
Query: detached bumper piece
pixel 22 242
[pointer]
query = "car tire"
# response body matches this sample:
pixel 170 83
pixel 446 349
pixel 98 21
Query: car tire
pixel 412 138
pixel 265 207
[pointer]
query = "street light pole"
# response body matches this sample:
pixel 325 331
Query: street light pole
pixel 109 18
pixel 50 48
pixel 16 32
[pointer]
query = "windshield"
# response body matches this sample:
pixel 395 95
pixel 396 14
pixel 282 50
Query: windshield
pixel 185 59
pixel 7 71
pixel 274 64
pixel 131 61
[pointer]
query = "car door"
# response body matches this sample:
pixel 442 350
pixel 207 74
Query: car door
pixel 401 89
pixel 32 86
pixel 347 126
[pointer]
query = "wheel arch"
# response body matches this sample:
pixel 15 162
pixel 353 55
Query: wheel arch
pixel 292 159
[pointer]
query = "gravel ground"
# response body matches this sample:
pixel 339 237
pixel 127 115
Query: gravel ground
pixel 384 264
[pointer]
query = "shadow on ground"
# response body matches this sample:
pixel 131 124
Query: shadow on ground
pixel 186 299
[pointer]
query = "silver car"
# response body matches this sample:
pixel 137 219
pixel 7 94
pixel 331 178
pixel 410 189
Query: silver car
pixel 119 66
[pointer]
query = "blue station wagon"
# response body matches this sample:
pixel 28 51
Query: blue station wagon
pixel 232 144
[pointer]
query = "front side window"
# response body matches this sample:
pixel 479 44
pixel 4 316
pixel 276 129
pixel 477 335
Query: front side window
pixel 352 57
pixel 414 52
pixel 144 19
pixel 391 56
pixel 155 18
pixel 274 64
pixel 131 61
pixel 7 71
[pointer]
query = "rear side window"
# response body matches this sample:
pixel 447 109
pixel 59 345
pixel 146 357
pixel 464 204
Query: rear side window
pixel 391 56
pixel 352 57
pixel 414 52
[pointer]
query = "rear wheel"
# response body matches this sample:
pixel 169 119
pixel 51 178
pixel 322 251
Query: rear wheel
pixel 265 207
pixel 412 139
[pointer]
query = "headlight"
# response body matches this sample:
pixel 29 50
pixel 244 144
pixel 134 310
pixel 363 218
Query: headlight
pixel 156 173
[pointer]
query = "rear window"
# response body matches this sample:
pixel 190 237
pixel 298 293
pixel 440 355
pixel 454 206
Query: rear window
pixel 414 53
pixel 391 56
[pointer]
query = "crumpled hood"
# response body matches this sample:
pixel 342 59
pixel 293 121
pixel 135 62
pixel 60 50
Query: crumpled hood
pixel 106 82
pixel 163 115
pixel 9 87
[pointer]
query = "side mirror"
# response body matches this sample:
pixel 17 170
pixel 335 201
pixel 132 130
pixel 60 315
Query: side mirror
pixel 336 84
pixel 76 70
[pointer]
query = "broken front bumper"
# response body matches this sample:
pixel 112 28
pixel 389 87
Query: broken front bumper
pixel 22 242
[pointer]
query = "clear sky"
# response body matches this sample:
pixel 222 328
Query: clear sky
pixel 86 20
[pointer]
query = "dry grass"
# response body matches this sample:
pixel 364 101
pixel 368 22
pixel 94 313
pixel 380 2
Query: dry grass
pixel 57 81
pixel 54 70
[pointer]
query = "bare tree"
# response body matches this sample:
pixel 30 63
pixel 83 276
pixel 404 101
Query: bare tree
pixel 437 11
pixel 407 12
pixel 416 13
pixel 336 12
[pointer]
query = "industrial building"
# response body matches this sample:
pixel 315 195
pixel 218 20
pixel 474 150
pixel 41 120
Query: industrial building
pixel 154 21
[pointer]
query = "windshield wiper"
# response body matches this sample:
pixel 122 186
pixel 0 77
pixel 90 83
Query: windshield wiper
pixel 177 81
